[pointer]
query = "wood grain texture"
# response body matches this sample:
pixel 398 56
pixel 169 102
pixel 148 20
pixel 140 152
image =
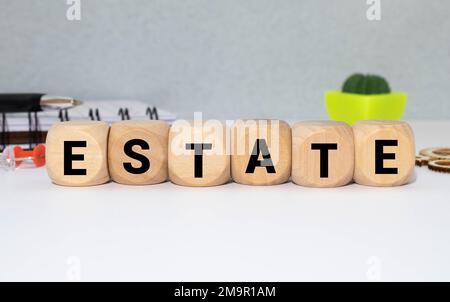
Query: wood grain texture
pixel 366 133
pixel 155 134
pixel 216 161
pixel 277 136
pixel 306 162
pixel 95 161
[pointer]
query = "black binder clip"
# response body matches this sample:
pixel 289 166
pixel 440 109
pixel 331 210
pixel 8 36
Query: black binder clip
pixel 29 104
pixel 33 129
pixel 152 113
pixel 4 134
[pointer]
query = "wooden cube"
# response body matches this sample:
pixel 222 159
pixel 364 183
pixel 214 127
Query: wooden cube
pixel 322 154
pixel 137 152
pixel 199 153
pixel 261 152
pixel 384 153
pixel 77 153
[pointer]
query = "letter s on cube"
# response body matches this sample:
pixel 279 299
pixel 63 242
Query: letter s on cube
pixel 76 153
pixel 137 152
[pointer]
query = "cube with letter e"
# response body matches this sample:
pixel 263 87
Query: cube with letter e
pixel 384 153
pixel 77 153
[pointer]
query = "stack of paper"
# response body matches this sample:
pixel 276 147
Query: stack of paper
pixel 109 111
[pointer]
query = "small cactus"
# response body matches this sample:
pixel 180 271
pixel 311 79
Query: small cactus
pixel 366 84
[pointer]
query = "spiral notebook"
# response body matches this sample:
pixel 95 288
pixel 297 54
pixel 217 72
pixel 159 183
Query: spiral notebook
pixel 31 128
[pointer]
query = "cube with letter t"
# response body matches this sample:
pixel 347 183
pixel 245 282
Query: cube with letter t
pixel 199 153
pixel 384 153
pixel 322 154
pixel 77 153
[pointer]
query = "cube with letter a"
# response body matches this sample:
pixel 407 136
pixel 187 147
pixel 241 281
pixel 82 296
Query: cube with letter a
pixel 261 152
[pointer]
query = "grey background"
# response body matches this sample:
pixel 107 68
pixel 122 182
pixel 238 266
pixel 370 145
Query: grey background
pixel 227 58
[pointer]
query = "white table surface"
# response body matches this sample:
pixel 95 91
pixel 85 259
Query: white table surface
pixel 228 233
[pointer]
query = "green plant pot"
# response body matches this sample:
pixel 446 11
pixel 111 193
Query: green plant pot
pixel 350 108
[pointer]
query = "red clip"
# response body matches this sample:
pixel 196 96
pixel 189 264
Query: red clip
pixel 37 155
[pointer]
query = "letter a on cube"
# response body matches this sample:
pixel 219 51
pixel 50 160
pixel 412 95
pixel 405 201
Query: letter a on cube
pixel 261 152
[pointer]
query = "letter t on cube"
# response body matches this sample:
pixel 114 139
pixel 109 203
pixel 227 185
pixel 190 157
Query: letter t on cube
pixel 199 153
pixel 322 154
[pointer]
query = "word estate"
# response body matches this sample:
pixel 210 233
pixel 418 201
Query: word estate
pixel 261 152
